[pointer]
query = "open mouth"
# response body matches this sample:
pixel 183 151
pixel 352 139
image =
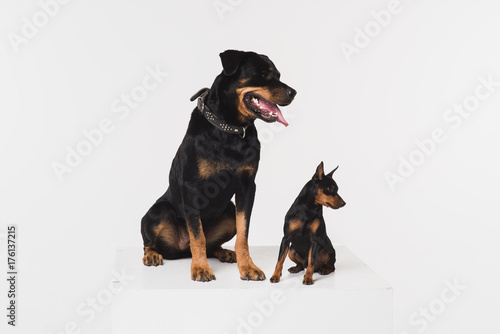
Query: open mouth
pixel 264 109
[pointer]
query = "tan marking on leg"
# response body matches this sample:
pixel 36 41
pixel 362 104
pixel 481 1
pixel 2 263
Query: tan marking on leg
pixel 167 232
pixel 219 232
pixel 248 270
pixel 158 228
pixel 152 257
pixel 308 277
pixel 200 270
pixel 294 256
pixel 222 231
pixel 241 245
pixel 279 268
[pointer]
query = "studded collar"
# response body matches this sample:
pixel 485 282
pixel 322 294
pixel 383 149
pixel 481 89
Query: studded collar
pixel 213 119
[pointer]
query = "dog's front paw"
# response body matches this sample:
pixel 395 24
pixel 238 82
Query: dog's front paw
pixel 308 280
pixel 275 278
pixel 225 255
pixel 152 258
pixel 251 273
pixel 296 269
pixel 202 273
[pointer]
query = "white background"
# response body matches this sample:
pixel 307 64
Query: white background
pixel 440 224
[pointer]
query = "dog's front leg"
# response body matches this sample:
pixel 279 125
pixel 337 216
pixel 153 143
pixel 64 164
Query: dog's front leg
pixel 311 261
pixel 285 246
pixel 200 270
pixel 244 203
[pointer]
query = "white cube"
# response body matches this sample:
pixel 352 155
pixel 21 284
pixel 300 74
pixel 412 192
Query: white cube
pixel 164 299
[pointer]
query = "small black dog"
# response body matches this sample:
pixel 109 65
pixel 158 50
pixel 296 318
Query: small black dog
pixel 217 159
pixel 305 229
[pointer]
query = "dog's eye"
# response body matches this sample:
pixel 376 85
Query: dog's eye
pixel 265 75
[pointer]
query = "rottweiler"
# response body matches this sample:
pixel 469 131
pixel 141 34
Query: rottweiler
pixel 305 229
pixel 217 159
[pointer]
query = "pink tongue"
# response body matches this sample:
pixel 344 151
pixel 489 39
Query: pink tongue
pixel 272 108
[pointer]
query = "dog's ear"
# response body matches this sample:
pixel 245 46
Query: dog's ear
pixel 319 172
pixel 333 171
pixel 231 60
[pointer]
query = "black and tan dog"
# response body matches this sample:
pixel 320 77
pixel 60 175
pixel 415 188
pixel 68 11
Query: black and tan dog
pixel 305 229
pixel 218 158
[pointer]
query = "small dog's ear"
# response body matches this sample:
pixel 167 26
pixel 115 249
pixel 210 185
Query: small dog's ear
pixel 319 172
pixel 231 60
pixel 333 171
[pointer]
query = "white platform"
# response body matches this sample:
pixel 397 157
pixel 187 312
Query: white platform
pixel 352 300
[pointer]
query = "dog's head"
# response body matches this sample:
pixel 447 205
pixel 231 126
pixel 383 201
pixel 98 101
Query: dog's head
pixel 327 189
pixel 252 83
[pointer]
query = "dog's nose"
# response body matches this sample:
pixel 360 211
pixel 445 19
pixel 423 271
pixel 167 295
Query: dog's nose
pixel 291 92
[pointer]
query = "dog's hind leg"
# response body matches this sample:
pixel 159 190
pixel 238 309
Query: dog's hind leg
pixel 223 230
pixel 152 225
pixel 324 263
pixel 295 257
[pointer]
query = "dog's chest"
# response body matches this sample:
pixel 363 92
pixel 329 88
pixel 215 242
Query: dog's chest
pixel 211 168
pixel 299 228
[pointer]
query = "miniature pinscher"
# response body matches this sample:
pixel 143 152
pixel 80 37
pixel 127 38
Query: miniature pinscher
pixel 217 159
pixel 305 229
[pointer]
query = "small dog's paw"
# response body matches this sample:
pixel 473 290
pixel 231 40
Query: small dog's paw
pixel 325 270
pixel 295 269
pixel 251 273
pixel 275 278
pixel 308 281
pixel 226 255
pixel 152 258
pixel 202 274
